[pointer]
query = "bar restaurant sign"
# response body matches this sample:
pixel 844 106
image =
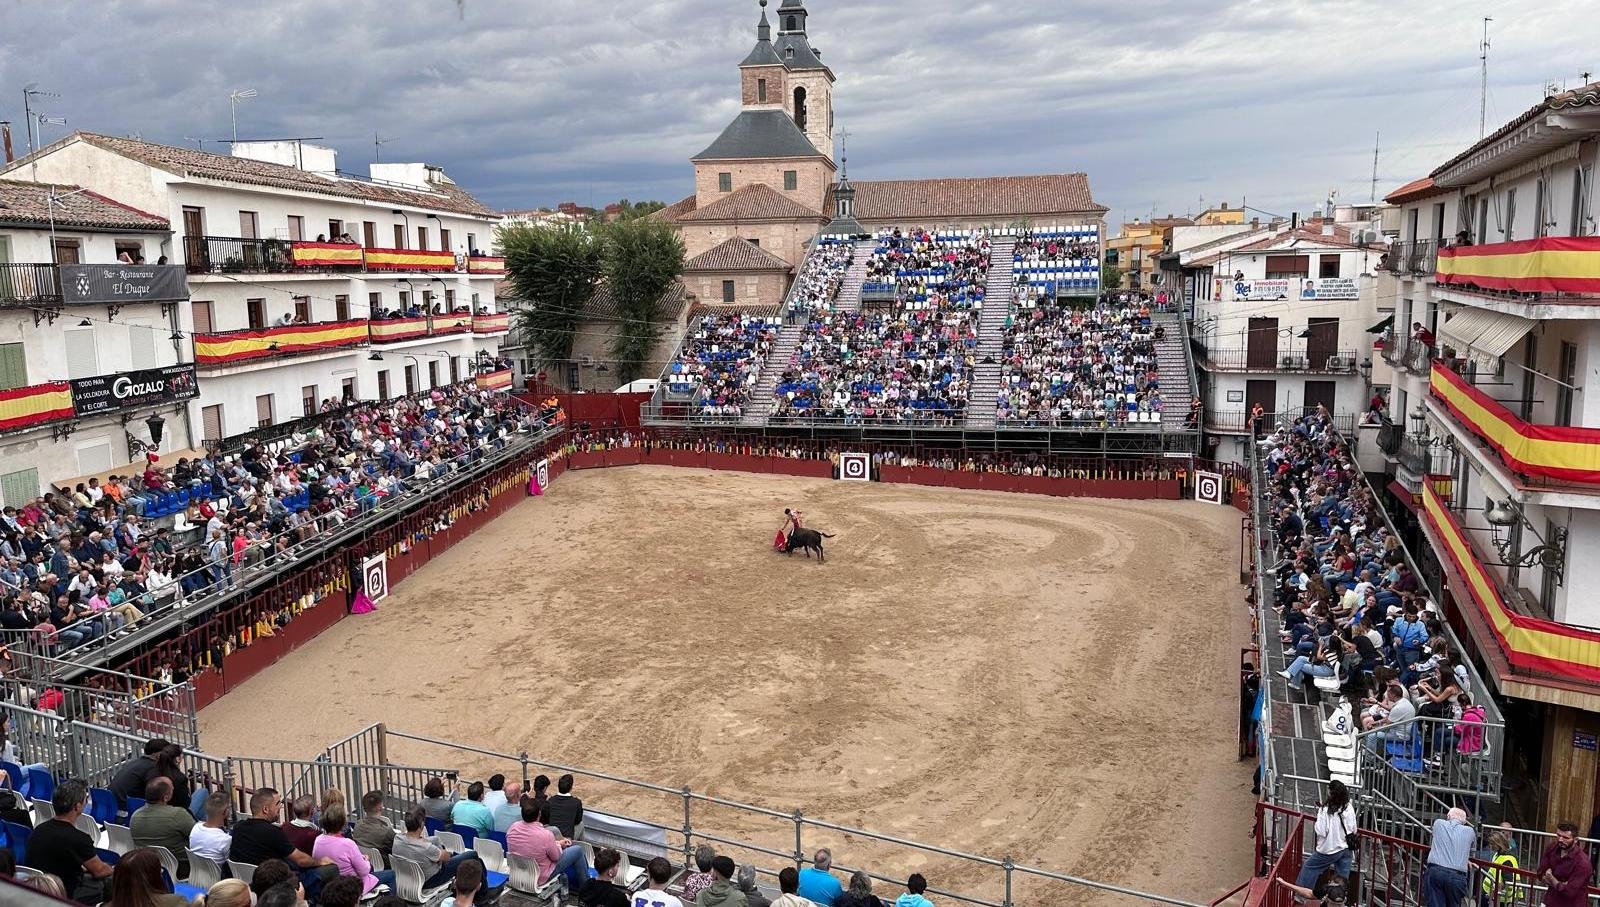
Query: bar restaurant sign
pixel 127 390
pixel 121 284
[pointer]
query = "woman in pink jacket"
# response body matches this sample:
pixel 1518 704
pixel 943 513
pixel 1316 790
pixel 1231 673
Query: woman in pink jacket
pixel 345 853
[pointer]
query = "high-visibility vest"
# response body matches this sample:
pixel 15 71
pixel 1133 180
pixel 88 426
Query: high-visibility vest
pixel 1492 877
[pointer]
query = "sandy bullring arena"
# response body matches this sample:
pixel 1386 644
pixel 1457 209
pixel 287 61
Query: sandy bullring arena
pixel 1049 678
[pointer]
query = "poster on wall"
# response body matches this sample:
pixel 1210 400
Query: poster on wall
pixel 1318 288
pixel 1261 289
pixel 127 390
pixel 1208 486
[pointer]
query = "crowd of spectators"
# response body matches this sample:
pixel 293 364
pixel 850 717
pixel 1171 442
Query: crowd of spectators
pixel 1045 263
pixel 821 276
pixel 1078 366
pixel 95 560
pixel 720 361
pixel 909 361
pixel 1351 606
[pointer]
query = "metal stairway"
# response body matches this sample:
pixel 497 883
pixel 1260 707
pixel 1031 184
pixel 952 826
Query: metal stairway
pixel 997 302
pixel 759 408
pixel 1172 363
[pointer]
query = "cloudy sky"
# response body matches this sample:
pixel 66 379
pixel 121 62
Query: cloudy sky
pixel 1169 105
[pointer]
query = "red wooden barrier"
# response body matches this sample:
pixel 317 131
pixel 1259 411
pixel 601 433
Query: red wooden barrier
pixel 208 688
pixel 242 664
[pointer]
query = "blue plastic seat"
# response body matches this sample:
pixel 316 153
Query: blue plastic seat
pixel 467 832
pixel 19 780
pixel 41 784
pixel 432 826
pixel 17 836
pixel 102 805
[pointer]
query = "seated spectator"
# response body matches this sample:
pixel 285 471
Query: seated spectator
pixel 788 886
pixel 566 810
pixel 131 778
pixel 859 893
pixel 468 886
pixel 58 847
pixel 495 797
pixel 345 891
pixel 301 829
pixel 702 876
pixel 273 873
pixel 160 824
pixel 744 879
pixel 434 802
pixel 915 886
pixel 136 882
pixel 374 828
pixel 602 890
pixel 817 884
pixel 658 874
pixel 721 360
pixel 210 839
pixel 509 811
pixel 11 809
pixel 531 838
pixel 416 845
pixel 283 894
pixel 229 893
pixel 721 892
pixel 346 854
pixel 471 812
pixel 259 838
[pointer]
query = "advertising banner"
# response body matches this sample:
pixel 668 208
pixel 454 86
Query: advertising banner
pixel 125 390
pixel 1315 288
pixel 1261 289
pixel 121 284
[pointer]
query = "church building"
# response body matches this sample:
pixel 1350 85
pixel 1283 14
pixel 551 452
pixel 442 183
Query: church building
pixel 768 184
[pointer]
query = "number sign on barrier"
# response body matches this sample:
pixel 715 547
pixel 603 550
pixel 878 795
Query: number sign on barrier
pixel 1208 486
pixel 855 467
pixel 375 576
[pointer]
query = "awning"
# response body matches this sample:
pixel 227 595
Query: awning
pixel 1484 335
pixel 1382 326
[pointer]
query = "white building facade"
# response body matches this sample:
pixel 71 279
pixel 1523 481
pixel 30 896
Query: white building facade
pixel 306 284
pixel 91 363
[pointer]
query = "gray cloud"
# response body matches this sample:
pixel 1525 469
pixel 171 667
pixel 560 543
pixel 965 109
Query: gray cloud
pixel 538 101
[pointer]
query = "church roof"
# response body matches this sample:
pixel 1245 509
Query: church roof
pixel 736 254
pixel 804 57
pixel 762 55
pixel 757 201
pixel 759 134
pixel 677 209
pixel 994 196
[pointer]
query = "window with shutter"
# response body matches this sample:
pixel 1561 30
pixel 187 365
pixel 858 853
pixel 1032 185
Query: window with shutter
pixel 94 457
pixel 211 422
pixel 20 487
pixel 13 366
pixel 264 410
pixel 142 344
pixel 202 316
pixel 308 400
pixel 83 361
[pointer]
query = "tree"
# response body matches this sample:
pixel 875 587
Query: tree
pixel 1111 277
pixel 641 260
pixel 553 270
pixel 632 210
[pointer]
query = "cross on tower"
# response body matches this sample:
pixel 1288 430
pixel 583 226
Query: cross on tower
pixel 844 154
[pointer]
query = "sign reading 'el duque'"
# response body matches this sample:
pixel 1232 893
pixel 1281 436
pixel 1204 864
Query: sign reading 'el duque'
pixel 123 283
pixel 146 387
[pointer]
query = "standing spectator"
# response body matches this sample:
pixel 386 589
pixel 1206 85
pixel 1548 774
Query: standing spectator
pixel 701 878
pixel 160 824
pixel 817 884
pixel 1444 883
pixel 602 890
pixel 259 838
pixel 915 886
pixel 745 881
pixel 60 849
pixel 415 845
pixel 721 893
pixel 1564 867
pixel 471 812
pixel 859 894
pixel 136 882
pixel 566 811
pixel 210 839
pixel 658 873
pixel 1336 822
pixel 1499 886
pixel 374 828
pixel 789 888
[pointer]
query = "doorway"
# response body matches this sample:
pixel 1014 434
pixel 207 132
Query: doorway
pixel 1261 345
pixel 1322 342
pixel 1265 392
pixel 1320 393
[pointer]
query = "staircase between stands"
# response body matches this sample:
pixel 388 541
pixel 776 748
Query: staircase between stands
pixel 983 395
pixel 1172 363
pixel 761 404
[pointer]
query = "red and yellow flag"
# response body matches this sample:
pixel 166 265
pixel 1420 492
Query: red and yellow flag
pixel 325 254
pixel 395 329
pixel 21 407
pixel 486 264
pixel 495 381
pixel 241 346
pixel 1552 451
pixel 410 260
pixel 1551 264
pixel 498 323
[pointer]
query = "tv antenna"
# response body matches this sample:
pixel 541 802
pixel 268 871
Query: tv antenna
pixel 234 97
pixel 377 148
pixel 199 144
pixel 1483 79
pixel 29 92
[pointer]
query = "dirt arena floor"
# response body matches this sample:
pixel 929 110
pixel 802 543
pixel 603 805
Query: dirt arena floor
pixel 1048 678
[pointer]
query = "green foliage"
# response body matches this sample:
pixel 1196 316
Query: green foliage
pixel 1110 277
pixel 553 271
pixel 641 259
pixel 633 210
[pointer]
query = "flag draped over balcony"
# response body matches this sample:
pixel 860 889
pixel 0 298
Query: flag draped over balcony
pixel 240 346
pixel 1551 264
pixel 497 381
pixel 491 324
pixel 393 329
pixel 21 407
pixel 1552 451
pixel 409 260
pixel 325 254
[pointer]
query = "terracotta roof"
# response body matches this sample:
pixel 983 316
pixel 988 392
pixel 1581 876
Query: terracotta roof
pixel 602 307
pixel 676 210
pixel 993 196
pixel 756 201
pixel 23 202
pixel 736 254
pixel 1583 96
pixel 731 308
pixel 444 196
pixel 1413 191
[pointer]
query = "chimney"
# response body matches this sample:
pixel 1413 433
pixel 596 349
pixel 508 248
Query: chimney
pixel 1327 228
pixel 5 138
pixel 1255 223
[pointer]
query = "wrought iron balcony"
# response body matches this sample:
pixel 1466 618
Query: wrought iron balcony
pixel 29 284
pixel 1283 359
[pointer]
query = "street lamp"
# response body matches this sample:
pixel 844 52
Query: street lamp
pixel 234 97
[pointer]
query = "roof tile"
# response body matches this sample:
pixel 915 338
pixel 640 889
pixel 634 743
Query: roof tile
pixel 24 202
pixel 757 201
pixel 994 196
pixel 736 254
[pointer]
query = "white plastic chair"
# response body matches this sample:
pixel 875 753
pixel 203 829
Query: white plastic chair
pixel 120 839
pixel 169 861
pixel 86 824
pixel 450 841
pixel 524 877
pixel 494 856
pixel 203 871
pixel 409 878
pixel 374 856
pixel 242 871
pixel 1330 684
pixel 43 811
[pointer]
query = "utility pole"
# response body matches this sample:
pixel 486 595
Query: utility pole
pixel 1373 196
pixel 1483 79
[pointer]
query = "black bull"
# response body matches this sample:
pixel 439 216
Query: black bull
pixel 808 539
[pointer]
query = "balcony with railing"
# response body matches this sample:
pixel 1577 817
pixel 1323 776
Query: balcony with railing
pixel 1421 257
pixel 485 264
pixel 1414 454
pixel 1238 421
pixel 222 348
pixel 236 255
pixel 491 323
pixel 1550 270
pixel 1399 258
pixel 23 284
pixel 1546 455
pixel 454 323
pixel 1298 358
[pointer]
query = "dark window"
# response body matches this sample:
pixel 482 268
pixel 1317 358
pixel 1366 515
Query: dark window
pixel 1567 373
pixel 1483 220
pixel 335 229
pixel 256 311
pixel 374 304
pixel 383 385
pixel 791 180
pixel 800 108
pixel 1581 177
pixel 1509 224
pixel 399 236
pixel 308 400
pixel 444 239
pixel 369 234
pixel 1328 265
pixel 727 291
pixel 348 389
pixel 302 309
pixel 433 373
pixel 411 380
pixel 788 23
pixel 754 241
pixel 264 410
pixel 724 182
pixel 297 227
pixel 341 308
pixel 1288 267
pixel 422 237
pixel 761 91
pixel 1538 208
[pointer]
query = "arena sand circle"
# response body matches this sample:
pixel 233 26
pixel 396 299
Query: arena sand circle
pixel 1049 678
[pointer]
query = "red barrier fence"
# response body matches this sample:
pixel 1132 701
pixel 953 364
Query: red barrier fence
pixel 600 411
